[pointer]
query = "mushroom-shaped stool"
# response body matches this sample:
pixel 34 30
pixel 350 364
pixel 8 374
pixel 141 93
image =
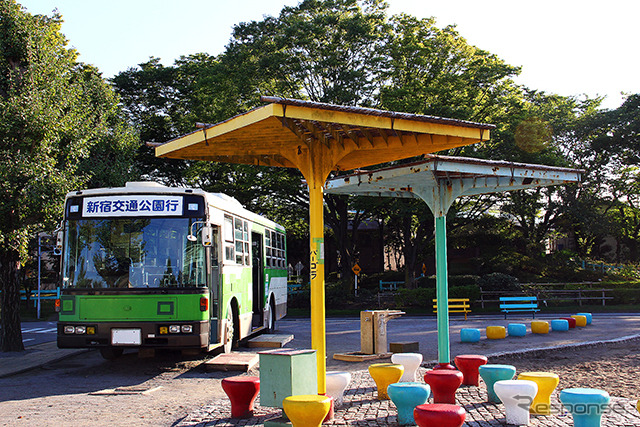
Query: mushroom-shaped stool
pixel 468 364
pixel 516 395
pixel 406 396
pixel 444 383
pixel 411 363
pixel 337 382
pixel 585 404
pixel 491 373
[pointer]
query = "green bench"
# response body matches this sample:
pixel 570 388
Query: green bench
pixel 389 286
pixel 519 304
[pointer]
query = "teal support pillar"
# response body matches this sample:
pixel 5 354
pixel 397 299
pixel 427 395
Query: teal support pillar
pixel 439 199
pixel 442 290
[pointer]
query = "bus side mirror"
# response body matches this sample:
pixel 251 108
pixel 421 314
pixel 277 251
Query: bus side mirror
pixel 59 239
pixel 207 239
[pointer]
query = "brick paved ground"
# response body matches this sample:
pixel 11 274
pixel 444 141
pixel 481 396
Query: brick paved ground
pixel 361 408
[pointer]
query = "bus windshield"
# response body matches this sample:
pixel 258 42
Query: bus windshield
pixel 133 253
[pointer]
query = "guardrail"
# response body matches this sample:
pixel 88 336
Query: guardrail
pixel 44 294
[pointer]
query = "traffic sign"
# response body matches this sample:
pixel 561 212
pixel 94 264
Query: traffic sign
pixel 356 269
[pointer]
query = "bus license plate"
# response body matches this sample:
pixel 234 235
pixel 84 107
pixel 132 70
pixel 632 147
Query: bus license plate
pixel 126 337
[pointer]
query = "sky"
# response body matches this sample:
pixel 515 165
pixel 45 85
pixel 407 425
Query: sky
pixel 567 47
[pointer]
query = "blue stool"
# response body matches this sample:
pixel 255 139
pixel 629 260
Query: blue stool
pixel 517 329
pixel 469 335
pixel 492 373
pixel 559 325
pixel 588 316
pixel 585 404
pixel 406 396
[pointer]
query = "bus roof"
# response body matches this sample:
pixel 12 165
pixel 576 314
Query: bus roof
pixel 218 200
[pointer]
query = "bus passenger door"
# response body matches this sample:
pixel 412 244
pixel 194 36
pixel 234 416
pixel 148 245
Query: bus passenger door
pixel 214 283
pixel 257 252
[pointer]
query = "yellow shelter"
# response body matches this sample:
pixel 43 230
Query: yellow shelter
pixel 319 138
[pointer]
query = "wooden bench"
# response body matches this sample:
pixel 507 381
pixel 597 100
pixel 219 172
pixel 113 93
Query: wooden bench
pixel 511 304
pixel 456 305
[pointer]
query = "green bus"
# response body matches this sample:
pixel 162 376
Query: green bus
pixel 149 266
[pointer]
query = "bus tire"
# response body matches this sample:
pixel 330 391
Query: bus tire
pixel 271 321
pixel 232 332
pixel 111 353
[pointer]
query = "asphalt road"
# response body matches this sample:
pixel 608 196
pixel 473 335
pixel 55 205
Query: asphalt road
pixel 38 332
pixel 343 334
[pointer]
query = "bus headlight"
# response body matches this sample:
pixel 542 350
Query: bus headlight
pixel 187 329
pixel 174 329
pixel 81 330
pixel 69 329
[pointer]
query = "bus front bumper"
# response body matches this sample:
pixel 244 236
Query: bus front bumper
pixel 133 334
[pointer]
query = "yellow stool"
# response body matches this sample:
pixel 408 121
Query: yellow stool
pixel 547 382
pixel 580 320
pixel 384 374
pixel 306 410
pixel 496 332
pixel 539 327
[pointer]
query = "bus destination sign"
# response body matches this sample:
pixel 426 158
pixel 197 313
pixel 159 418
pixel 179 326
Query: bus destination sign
pixel 132 205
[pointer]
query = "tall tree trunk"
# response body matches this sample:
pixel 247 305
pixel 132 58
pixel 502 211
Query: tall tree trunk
pixel 410 252
pixel 10 334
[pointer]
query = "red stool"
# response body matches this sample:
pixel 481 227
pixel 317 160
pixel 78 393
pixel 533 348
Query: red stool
pixel 468 364
pixel 571 320
pixel 444 383
pixel 332 410
pixel 242 392
pixel 439 414
pixel 444 366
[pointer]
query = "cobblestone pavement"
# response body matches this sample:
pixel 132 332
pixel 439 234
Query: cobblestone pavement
pixel 362 408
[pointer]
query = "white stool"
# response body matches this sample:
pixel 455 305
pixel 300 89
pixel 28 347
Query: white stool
pixel 411 363
pixel 516 395
pixel 337 382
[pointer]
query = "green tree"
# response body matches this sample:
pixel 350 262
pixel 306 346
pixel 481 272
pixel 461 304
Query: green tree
pixel 53 113
pixel 607 145
pixel 165 102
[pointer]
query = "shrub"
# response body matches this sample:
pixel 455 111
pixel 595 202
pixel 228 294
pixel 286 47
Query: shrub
pixel 470 291
pixel 498 282
pixel 418 297
pixel 463 280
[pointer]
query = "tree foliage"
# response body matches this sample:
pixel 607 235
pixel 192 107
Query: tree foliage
pixel 54 112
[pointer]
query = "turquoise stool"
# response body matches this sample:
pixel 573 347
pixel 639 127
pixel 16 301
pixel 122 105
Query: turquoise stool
pixel 492 373
pixel 588 316
pixel 517 329
pixel 469 335
pixel 406 396
pixel 559 325
pixel 585 404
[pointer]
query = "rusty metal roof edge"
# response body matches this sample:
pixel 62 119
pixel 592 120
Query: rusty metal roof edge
pixel 505 163
pixel 432 158
pixel 375 112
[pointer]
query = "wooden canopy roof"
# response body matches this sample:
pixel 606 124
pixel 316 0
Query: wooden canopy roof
pixel 289 133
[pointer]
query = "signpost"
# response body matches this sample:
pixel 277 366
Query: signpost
pixel 356 270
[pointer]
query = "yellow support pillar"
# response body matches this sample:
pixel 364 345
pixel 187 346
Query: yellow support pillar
pixel 316 235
